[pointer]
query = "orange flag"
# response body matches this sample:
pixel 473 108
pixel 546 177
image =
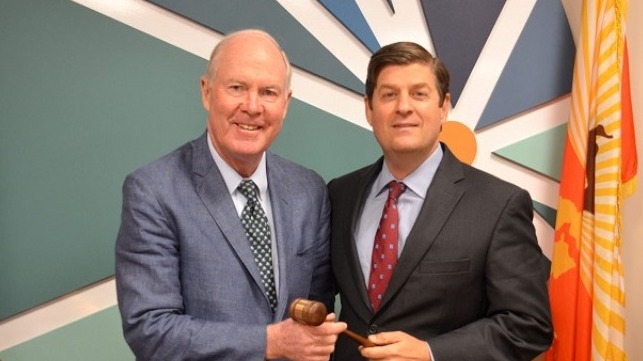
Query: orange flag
pixel 599 169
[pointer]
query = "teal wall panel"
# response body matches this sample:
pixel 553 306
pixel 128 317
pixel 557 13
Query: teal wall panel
pixel 96 338
pixel 542 153
pixel 548 213
pixel 324 142
pixel 83 101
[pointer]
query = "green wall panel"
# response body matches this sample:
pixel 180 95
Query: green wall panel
pixel 548 213
pixel 542 153
pixel 328 144
pixel 83 101
pixel 96 338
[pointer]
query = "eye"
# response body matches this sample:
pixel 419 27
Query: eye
pixel 421 94
pixel 269 94
pixel 235 88
pixel 388 95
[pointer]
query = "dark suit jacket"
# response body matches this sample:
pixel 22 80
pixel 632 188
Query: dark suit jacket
pixel 471 279
pixel 188 287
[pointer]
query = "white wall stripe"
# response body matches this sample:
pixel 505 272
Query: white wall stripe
pixel 57 313
pixel 199 41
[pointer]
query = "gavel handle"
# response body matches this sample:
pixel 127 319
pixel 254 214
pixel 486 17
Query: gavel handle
pixel 359 339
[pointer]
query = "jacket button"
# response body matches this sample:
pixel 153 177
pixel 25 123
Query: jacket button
pixel 372 328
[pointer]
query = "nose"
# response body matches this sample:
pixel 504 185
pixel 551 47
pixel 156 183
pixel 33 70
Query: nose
pixel 403 103
pixel 251 104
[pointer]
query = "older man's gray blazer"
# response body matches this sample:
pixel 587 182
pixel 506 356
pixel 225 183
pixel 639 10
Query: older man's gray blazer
pixel 471 279
pixel 188 287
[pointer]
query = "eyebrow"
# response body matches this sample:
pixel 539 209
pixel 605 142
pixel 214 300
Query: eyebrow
pixel 413 86
pixel 232 80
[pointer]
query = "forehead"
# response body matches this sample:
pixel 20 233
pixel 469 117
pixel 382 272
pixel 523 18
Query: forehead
pixel 406 74
pixel 252 56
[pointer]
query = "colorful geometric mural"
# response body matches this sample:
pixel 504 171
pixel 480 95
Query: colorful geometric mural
pixel 538 70
pixel 129 97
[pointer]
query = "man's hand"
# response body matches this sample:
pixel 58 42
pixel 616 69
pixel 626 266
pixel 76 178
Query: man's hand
pixel 294 341
pixel 396 346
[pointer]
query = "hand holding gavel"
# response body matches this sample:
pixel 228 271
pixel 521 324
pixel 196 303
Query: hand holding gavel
pixel 313 313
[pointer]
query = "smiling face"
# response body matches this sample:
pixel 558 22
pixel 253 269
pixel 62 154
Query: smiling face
pixel 406 114
pixel 246 96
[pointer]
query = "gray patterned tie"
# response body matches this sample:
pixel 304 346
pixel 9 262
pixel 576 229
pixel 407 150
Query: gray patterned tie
pixel 255 222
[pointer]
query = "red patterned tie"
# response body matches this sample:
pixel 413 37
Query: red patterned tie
pixel 385 247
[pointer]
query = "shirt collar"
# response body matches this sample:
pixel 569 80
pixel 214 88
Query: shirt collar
pixel 232 178
pixel 418 181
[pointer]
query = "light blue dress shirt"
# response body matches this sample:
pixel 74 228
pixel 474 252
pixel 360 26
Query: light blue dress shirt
pixel 232 180
pixel 409 205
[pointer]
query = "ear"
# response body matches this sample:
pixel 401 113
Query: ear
pixel 446 105
pixel 205 93
pixel 368 110
pixel 288 97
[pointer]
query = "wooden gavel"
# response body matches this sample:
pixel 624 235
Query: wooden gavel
pixel 313 313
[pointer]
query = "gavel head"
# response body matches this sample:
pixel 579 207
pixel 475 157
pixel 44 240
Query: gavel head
pixel 307 312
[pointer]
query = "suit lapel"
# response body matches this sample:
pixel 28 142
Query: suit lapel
pixel 279 187
pixel 357 200
pixel 441 199
pixel 211 188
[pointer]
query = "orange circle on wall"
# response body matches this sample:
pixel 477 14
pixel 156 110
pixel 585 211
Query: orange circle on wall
pixel 460 139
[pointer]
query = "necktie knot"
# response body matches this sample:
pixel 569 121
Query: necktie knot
pixel 249 189
pixel 395 190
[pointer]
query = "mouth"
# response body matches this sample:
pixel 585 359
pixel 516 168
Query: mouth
pixel 249 127
pixel 404 126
